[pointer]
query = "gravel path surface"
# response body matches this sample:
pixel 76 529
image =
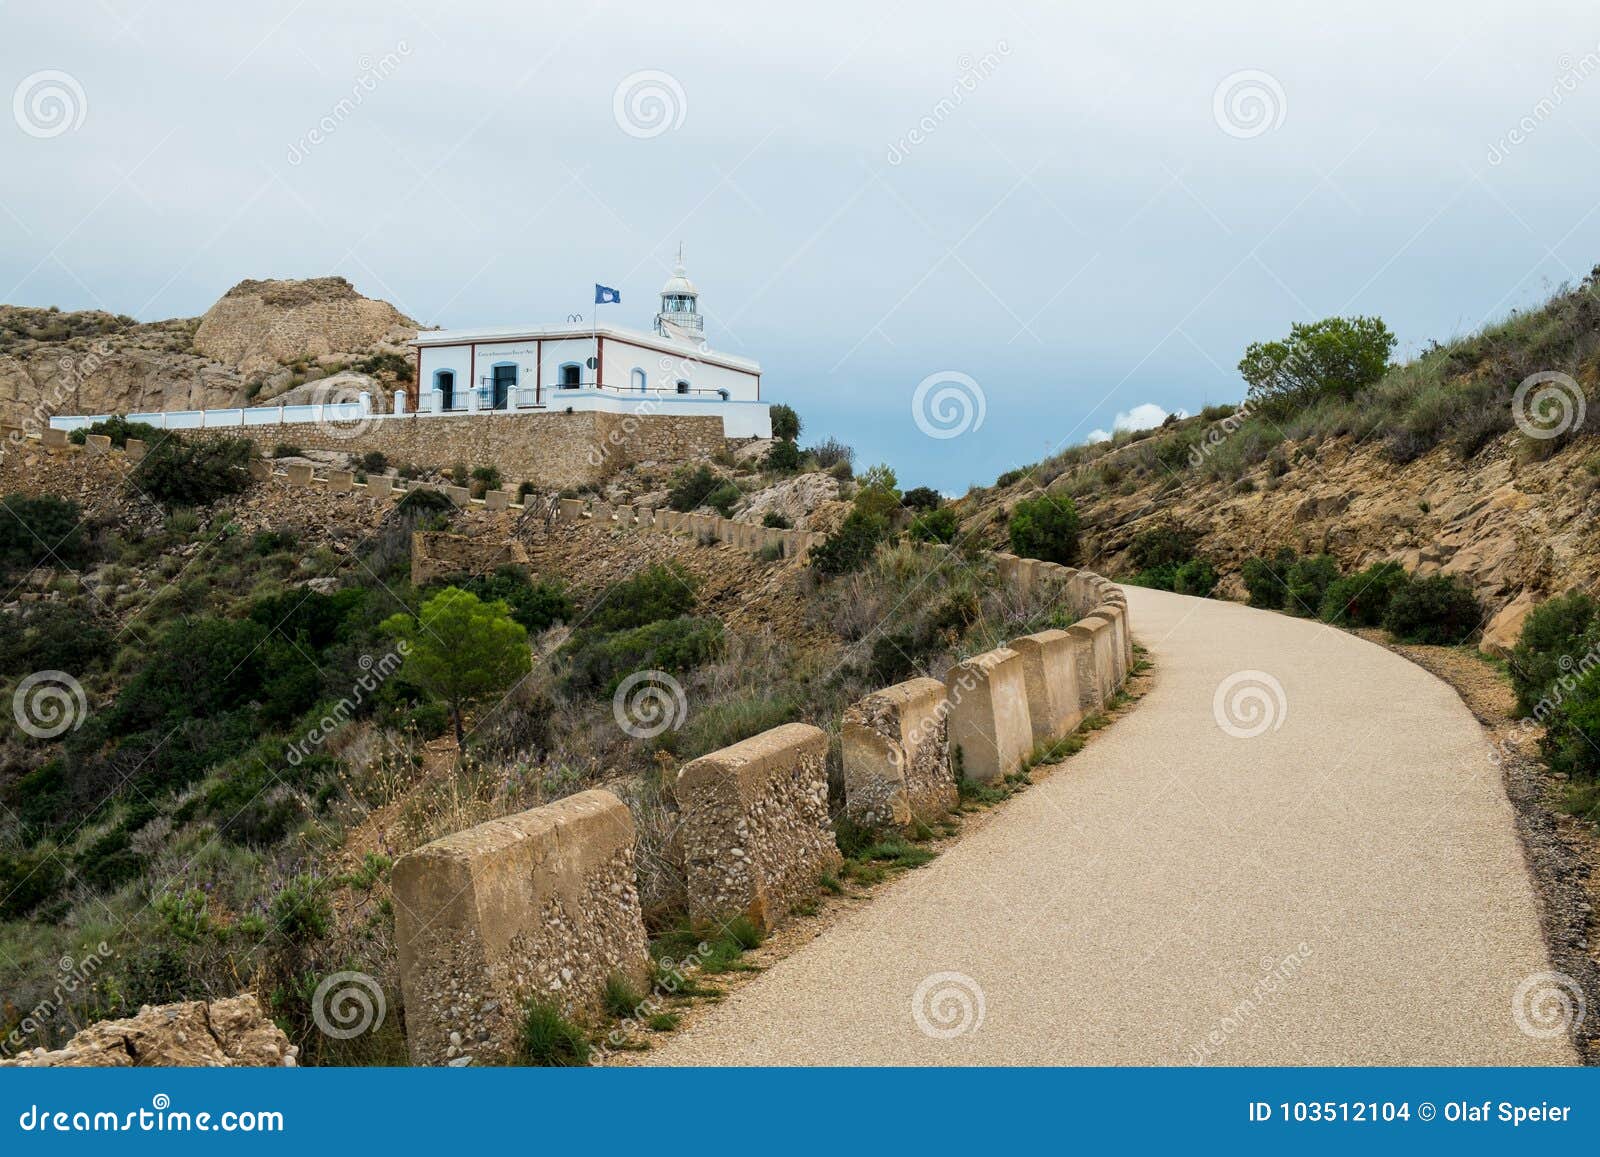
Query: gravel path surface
pixel 1345 887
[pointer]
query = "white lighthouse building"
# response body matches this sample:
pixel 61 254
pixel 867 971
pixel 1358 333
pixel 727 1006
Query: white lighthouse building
pixel 590 366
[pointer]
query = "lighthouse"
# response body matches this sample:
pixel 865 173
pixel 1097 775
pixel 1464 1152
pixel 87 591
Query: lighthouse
pixel 680 307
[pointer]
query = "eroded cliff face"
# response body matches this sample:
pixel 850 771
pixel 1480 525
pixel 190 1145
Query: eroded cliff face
pixel 259 341
pixel 1513 529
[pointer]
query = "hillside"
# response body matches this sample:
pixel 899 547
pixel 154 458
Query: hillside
pixel 1427 468
pixel 260 340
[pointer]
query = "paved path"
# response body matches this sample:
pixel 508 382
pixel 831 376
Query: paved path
pixel 1344 888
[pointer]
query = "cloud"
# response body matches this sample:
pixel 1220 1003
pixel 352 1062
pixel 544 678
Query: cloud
pixel 1142 417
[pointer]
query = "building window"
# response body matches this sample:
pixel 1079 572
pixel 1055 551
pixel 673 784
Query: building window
pixel 683 386
pixel 569 376
pixel 640 381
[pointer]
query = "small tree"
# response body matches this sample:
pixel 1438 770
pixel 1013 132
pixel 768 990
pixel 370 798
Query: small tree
pixel 178 473
pixel 785 423
pixel 879 495
pixel 1335 357
pixel 461 650
pixel 1046 528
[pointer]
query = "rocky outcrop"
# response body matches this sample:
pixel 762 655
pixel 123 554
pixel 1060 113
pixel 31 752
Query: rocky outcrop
pixel 796 499
pixel 258 325
pixel 229 1033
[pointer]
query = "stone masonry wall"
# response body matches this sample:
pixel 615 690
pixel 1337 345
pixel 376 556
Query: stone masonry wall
pixel 896 767
pixel 756 829
pixel 541 905
pixel 553 450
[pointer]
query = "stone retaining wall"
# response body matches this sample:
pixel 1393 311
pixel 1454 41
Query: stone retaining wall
pixel 756 830
pixel 541 905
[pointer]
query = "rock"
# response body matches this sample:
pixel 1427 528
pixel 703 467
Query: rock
pixel 753 452
pixel 258 325
pixel 230 1033
pixel 796 499
pixel 1506 627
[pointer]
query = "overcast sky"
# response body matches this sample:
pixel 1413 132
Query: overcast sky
pixel 1086 209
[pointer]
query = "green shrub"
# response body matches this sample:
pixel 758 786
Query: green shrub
pixel 654 593
pixel 301 911
pixel 119 430
pixel 691 488
pixel 426 500
pixel 1307 583
pixel 39 532
pixel 939 525
pixel 879 492
pixel 600 661
pixel 1571 743
pixel 922 498
pixel 1439 609
pixel 485 479
pixel 27 880
pixel 1196 577
pixel 783 456
pixel 536 605
pixel 1337 357
pixel 785 423
pixel 775 521
pixel 373 462
pixel 850 547
pixel 287 450
pixel 1045 528
pixel 52 637
pixel 1361 600
pixel 724 498
pixel 1009 478
pixel 549 1039
pixel 1266 580
pixel 1555 638
pixel 1162 546
pixel 622 996
pixel 174 472
pixel 833 456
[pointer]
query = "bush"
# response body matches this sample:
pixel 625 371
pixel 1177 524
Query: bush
pixel 536 605
pixel 487 476
pixel 1439 610
pixel 1334 358
pixel 119 430
pixel 174 472
pixel 1196 577
pixel 785 423
pixel 852 545
pixel 1265 579
pixel 922 498
pixel 40 531
pixel 373 462
pixel 830 453
pixel 26 881
pixel 691 488
pixel 1556 636
pixel 600 661
pixel 1162 546
pixel 879 492
pixel 724 498
pixel 1571 742
pixel 425 500
pixel 772 520
pixel 1046 528
pixel 783 456
pixel 52 637
pixel 1361 600
pixel 1009 478
pixel 1307 583
pixel 939 525
pixel 652 594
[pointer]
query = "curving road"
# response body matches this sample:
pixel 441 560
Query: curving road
pixel 1344 888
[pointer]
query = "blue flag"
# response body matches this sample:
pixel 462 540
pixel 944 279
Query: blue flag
pixel 605 295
